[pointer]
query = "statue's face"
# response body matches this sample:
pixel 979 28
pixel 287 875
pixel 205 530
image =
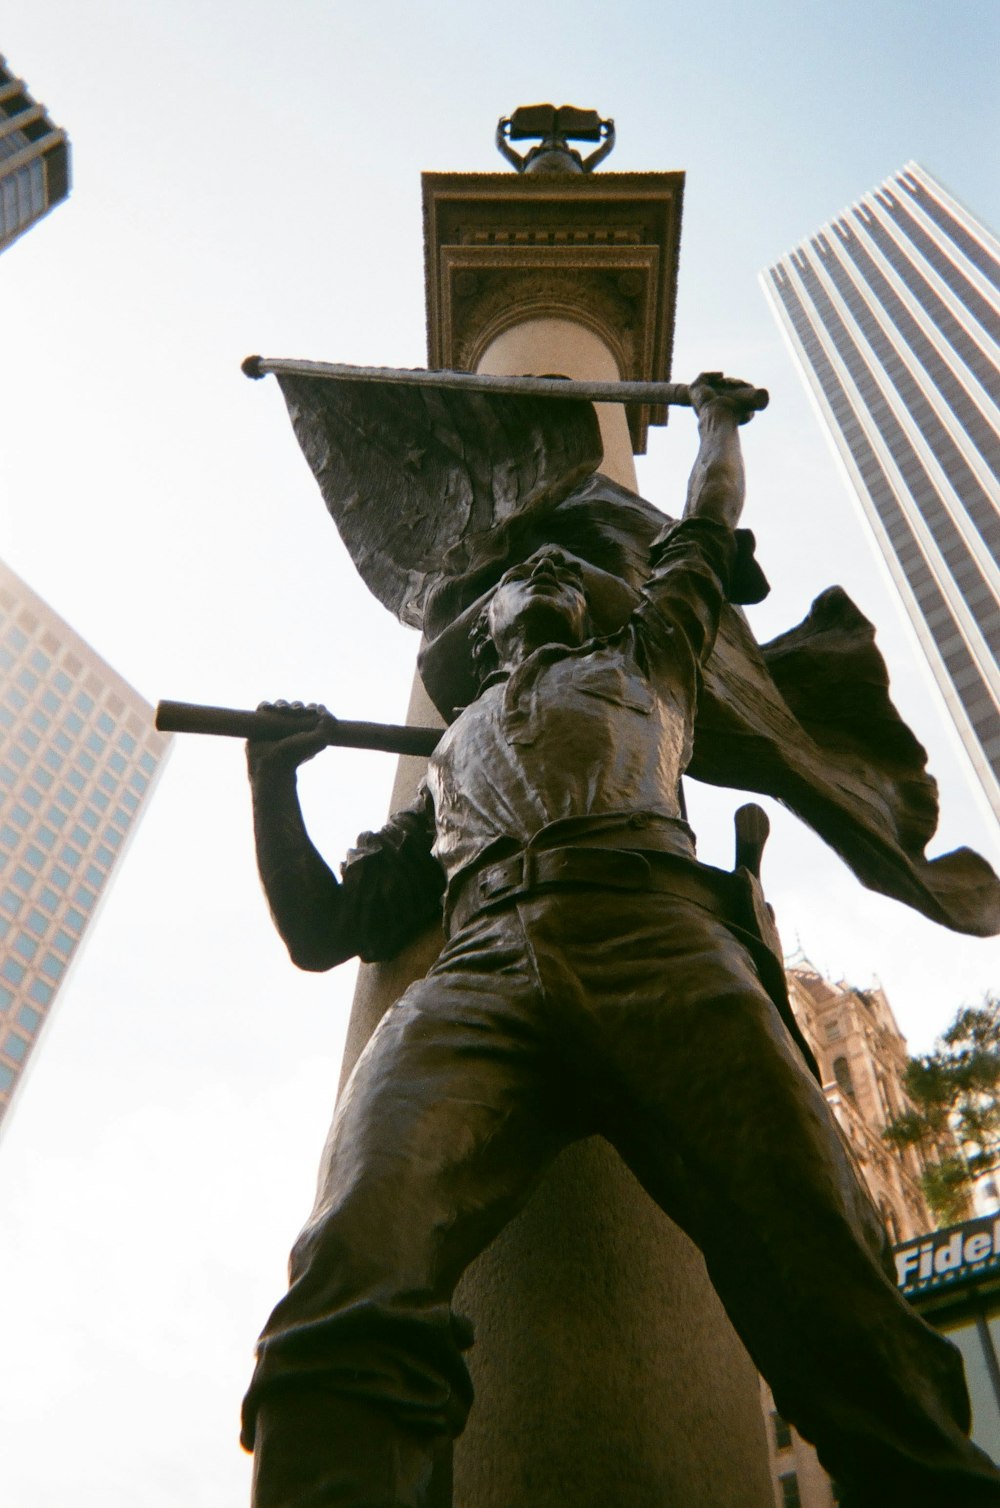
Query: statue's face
pixel 540 602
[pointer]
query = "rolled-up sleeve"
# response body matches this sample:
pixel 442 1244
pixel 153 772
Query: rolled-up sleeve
pixel 392 884
pixel 696 565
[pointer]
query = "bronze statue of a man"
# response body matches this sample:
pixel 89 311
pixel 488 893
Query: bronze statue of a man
pixel 595 979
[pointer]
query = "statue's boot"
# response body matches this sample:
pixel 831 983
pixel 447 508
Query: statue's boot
pixel 325 1450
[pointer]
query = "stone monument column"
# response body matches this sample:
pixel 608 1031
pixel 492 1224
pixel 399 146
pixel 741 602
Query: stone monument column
pixel 606 1373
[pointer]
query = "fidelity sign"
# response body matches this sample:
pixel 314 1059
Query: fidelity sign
pixel 949 1256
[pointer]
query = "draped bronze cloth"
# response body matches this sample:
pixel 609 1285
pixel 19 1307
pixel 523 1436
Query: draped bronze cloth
pixel 437 493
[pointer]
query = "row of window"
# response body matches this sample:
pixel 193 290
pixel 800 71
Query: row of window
pixel 933 208
pixel 27 733
pixel 882 495
pixel 922 490
pixel 32 676
pixel 964 290
pixel 930 300
pixel 15 1047
pixel 956 468
pixel 22 198
pixel 966 412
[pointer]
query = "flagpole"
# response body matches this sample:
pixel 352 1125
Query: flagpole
pixel 653 393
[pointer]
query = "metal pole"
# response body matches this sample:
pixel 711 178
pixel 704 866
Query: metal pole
pixel 476 382
pixel 229 722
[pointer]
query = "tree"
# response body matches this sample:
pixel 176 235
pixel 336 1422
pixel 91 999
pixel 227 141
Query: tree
pixel 955 1120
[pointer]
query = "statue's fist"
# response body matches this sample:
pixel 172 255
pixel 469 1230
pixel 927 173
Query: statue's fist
pixel 284 749
pixel 711 391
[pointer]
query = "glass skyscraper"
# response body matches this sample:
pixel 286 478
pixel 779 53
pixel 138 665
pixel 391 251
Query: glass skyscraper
pixel 34 159
pixel 78 758
pixel 893 313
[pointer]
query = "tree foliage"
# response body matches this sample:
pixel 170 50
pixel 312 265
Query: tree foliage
pixel 955 1122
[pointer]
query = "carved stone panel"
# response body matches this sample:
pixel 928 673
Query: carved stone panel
pixel 600 249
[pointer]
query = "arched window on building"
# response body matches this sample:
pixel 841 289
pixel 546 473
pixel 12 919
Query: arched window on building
pixel 842 1073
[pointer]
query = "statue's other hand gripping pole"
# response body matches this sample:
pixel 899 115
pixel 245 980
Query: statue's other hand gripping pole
pixel 228 722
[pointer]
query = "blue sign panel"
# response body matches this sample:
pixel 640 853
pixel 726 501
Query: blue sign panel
pixel 948 1258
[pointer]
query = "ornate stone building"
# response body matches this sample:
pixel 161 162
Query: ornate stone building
pixel 862 1057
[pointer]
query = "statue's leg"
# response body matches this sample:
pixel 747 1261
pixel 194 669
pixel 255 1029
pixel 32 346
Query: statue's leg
pixel 444 1127
pixel 706 1097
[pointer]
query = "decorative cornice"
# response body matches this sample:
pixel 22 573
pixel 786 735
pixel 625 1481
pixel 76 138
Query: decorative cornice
pixel 599 250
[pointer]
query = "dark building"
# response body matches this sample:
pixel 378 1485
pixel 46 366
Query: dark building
pixel 34 159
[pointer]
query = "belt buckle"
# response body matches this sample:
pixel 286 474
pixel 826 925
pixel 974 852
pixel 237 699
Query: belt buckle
pixel 504 878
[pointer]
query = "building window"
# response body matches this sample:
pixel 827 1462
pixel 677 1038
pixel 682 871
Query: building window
pixel 52 966
pixel 833 1029
pixel 26 946
pixel 842 1073
pixel 782 1431
pixel 789 1485
pixel 15 1047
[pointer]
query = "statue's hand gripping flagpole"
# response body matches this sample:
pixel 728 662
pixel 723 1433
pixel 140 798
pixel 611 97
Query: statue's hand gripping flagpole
pixel 267 726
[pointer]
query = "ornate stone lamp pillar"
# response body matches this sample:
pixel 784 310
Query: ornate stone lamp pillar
pixel 606 1372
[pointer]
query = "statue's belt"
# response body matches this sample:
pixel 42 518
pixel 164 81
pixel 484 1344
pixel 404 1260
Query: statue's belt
pixel 733 897
pixel 530 871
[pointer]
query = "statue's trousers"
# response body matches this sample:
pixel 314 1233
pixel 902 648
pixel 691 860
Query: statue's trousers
pixel 551 1017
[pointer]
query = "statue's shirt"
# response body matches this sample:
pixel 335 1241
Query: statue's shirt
pixel 571 737
pixel 597 731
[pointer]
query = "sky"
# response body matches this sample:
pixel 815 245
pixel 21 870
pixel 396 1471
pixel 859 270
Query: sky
pixel 247 178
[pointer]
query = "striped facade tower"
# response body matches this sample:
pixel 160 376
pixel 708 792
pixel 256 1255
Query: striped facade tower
pixel 893 312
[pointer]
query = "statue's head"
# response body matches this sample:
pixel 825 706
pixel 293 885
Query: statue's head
pixel 542 600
